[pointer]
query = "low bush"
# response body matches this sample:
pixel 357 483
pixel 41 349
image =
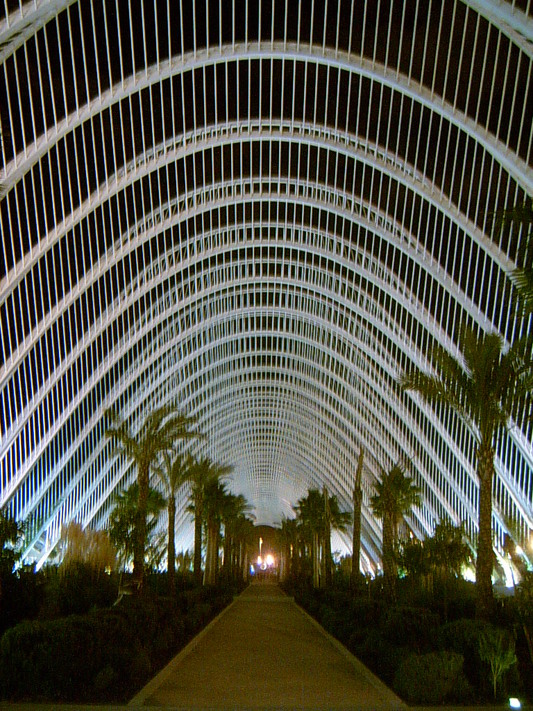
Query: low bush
pixel 462 636
pixel 413 627
pixel 338 622
pixel 382 657
pixel 65 659
pixel 76 591
pixel 22 597
pixel 433 678
pixel 104 655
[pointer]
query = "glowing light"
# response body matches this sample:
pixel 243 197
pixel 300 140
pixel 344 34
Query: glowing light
pixel 269 560
pixel 508 570
pixel 519 550
pixel 514 703
pixel 259 560
pixel 469 574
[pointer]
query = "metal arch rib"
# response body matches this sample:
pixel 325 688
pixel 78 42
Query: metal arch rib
pixel 417 255
pixel 113 187
pixel 129 297
pixel 31 461
pixel 517 168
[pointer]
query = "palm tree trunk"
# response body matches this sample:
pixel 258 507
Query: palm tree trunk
pixel 485 553
pixel 140 527
pixel 326 548
pixel 198 516
pixel 211 555
pixel 171 555
pixel 389 563
pixel 356 537
pixel 315 551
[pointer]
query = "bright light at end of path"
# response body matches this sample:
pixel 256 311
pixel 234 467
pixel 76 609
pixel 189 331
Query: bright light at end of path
pixel 515 703
pixel 269 560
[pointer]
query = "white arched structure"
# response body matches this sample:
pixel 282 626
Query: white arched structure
pixel 264 211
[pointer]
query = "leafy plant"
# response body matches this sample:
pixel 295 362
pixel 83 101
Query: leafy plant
pixel 433 678
pixel 497 648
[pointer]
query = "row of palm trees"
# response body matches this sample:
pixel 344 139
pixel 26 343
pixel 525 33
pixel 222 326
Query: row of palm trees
pixel 489 385
pixel 157 448
pixel 308 536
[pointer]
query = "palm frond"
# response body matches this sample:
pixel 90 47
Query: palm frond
pixel 522 280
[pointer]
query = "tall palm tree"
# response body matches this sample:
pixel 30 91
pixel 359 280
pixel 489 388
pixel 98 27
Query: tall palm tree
pixel 395 496
pixel 244 538
pixel 159 432
pixel 123 519
pixel 215 494
pixel 319 513
pixel 489 387
pixel 200 472
pixel 173 473
pixel 287 538
pixel 233 509
pixel 310 512
pixel 357 506
pixel 336 519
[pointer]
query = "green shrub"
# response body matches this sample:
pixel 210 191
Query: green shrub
pixel 22 597
pixel 382 657
pixel 65 659
pixel 367 613
pixel 76 591
pixel 410 626
pixel 433 678
pixel 462 636
pixel 337 622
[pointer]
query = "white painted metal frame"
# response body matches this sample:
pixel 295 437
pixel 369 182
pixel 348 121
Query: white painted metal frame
pixel 267 220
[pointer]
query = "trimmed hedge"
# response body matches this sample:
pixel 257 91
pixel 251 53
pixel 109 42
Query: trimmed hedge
pixel 412 627
pixel 433 678
pixel 71 659
pixel 105 655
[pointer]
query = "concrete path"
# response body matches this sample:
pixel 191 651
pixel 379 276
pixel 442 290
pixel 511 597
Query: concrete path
pixel 264 652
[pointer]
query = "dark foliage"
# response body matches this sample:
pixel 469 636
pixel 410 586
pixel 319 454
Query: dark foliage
pixel 71 659
pixel 76 591
pixel 22 597
pixel 106 654
pixel 433 678
pixel 409 648
pixel 412 627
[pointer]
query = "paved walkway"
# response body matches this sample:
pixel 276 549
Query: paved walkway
pixel 261 652
pixel 264 652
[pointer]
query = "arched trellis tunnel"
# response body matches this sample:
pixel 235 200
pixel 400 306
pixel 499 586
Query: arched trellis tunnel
pixel 264 211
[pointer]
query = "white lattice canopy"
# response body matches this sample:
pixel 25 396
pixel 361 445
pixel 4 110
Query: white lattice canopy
pixel 263 211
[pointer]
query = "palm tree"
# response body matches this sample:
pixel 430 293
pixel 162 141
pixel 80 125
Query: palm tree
pixel 233 510
pixel 158 434
pixel 310 512
pixel 244 537
pixel 200 472
pixel 215 493
pixel 123 519
pixel 287 538
pixel 395 496
pixel 318 514
pixel 488 387
pixel 356 536
pixel 336 519
pixel 173 473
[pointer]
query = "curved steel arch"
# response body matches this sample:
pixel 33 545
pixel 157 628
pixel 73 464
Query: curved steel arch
pixel 51 417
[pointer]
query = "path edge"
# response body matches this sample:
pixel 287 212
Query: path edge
pixel 358 665
pixel 154 683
